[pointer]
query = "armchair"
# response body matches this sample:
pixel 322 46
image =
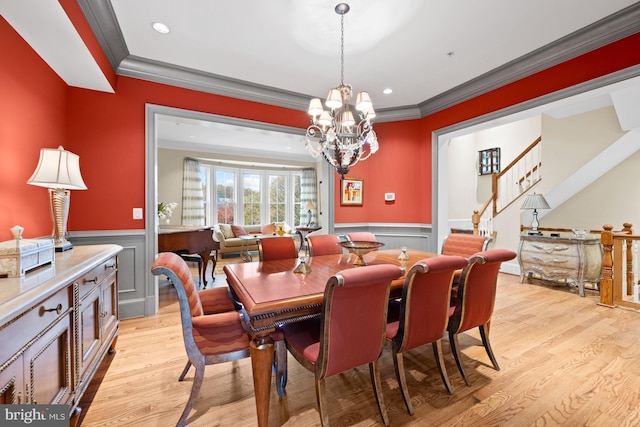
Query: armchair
pixel 211 327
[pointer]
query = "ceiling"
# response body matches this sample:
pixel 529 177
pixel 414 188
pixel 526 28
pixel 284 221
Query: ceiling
pixel 284 52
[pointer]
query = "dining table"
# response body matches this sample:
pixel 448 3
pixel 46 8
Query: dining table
pixel 272 294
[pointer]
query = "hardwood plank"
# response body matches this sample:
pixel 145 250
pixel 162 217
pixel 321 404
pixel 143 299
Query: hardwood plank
pixel 564 361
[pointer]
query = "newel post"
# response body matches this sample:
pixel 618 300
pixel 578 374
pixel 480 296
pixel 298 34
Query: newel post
pixel 606 282
pixel 475 220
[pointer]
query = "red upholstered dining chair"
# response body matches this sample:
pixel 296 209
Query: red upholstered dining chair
pixel 274 248
pixel 350 331
pixel 323 244
pixel 423 314
pixel 211 327
pixel 472 305
pixel 361 236
pixel 465 245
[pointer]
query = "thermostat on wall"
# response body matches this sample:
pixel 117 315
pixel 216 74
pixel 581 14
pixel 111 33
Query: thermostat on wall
pixel 389 197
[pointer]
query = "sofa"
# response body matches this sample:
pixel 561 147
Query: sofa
pixel 228 235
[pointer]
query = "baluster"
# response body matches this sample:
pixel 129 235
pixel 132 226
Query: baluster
pixel 630 262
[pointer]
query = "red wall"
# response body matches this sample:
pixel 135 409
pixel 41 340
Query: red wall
pixel 398 168
pixel 33 115
pixel 108 132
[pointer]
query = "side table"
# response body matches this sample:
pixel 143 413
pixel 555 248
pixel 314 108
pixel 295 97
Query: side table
pixel 566 258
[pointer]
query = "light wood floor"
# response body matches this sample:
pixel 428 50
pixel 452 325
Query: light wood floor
pixel 564 359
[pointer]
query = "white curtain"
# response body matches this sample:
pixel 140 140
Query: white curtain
pixel 308 193
pixel 192 194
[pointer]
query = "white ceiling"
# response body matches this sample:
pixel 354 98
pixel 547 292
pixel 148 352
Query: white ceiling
pixel 403 44
pixel 418 48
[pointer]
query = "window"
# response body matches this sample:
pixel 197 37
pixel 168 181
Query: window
pixel 251 196
pixel 277 198
pixel 297 202
pixel 225 185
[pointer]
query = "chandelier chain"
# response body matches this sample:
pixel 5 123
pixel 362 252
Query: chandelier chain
pixel 341 50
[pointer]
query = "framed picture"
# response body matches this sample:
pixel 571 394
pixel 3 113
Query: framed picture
pixel 351 194
pixel 489 161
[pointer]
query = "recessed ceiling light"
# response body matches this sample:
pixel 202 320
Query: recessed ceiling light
pixel 160 27
pixel 387 91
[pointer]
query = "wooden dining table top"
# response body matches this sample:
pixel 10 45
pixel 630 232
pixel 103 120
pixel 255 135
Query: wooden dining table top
pixel 271 291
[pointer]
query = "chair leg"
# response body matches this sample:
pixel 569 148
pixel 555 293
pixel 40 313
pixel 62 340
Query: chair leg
pixel 484 334
pixel 184 371
pixel 321 392
pixel 280 364
pixel 195 389
pixel 437 353
pixel 398 364
pixel 377 389
pixel 453 340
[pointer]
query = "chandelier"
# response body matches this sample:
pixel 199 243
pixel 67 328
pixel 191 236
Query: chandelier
pixel 335 133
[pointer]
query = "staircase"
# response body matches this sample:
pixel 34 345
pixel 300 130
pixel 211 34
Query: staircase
pixel 507 186
pixel 526 171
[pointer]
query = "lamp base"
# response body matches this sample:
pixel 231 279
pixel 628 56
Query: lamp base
pixel 303 267
pixel 63 246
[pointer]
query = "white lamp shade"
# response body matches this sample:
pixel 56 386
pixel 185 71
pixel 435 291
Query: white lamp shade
pixel 363 101
pixel 369 113
pixel 325 119
pixel 309 205
pixel 535 201
pixel 334 99
pixel 346 118
pixel 58 168
pixel 315 107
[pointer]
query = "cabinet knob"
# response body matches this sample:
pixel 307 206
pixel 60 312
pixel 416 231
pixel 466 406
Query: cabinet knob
pixel 57 309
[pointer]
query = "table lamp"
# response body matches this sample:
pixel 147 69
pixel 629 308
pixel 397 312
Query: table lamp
pixel 309 207
pixel 59 171
pixel 535 201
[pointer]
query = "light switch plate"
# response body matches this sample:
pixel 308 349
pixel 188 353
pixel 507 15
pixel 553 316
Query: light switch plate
pixel 137 213
pixel 389 197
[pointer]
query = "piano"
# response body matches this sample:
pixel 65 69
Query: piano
pixel 184 240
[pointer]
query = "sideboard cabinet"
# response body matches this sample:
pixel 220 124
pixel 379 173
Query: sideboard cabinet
pixel 565 258
pixel 56 325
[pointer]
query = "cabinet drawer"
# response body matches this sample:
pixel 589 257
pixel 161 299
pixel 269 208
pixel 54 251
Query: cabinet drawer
pixel 89 281
pixel 15 334
pixel 555 248
pixel 553 260
pixel 549 272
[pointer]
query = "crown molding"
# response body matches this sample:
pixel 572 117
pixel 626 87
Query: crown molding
pixel 102 19
pixel 607 30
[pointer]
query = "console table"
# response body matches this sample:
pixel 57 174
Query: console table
pixel 564 258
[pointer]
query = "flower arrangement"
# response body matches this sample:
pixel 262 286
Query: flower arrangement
pixel 165 210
